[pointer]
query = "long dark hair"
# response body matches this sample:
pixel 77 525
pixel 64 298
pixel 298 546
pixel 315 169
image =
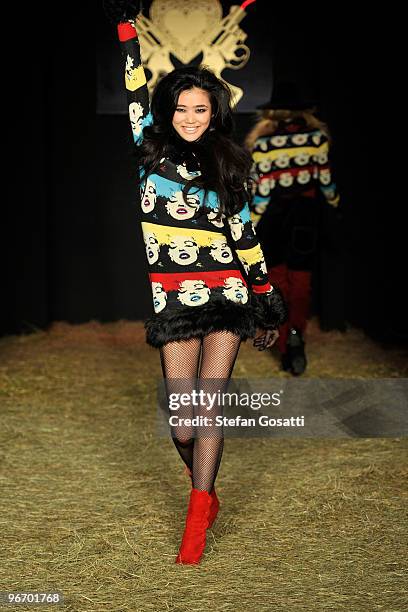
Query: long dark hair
pixel 224 165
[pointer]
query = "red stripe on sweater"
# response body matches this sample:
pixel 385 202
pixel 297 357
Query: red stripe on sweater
pixel 126 31
pixel 261 288
pixel 293 171
pixel 171 281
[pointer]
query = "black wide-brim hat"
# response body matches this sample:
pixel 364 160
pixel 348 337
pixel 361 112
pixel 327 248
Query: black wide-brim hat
pixel 287 96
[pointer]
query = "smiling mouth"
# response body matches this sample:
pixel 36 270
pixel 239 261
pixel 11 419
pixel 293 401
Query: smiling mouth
pixel 225 254
pixel 181 211
pixel 184 256
pixel 195 298
pixel 190 130
pixel 239 295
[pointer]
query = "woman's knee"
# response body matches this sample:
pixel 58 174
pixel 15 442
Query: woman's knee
pixel 183 439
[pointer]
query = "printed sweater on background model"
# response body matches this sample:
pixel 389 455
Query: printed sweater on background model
pixel 292 161
pixel 191 257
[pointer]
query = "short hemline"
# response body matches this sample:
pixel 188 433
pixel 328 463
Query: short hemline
pixel 261 311
pixel 196 322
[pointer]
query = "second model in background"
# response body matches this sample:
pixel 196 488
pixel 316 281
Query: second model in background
pixel 290 151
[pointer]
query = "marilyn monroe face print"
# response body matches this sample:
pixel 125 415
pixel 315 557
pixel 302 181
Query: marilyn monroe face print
pixel 279 141
pixel 136 117
pixel 149 196
pixel 183 250
pixel 211 217
pixel 237 227
pixel 179 209
pixel 220 251
pixel 235 290
pixel 182 171
pixel 159 297
pixel 193 293
pixel 152 247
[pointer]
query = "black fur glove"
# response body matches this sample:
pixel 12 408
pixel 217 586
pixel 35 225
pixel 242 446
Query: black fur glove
pixel 269 309
pixel 270 312
pixel 119 11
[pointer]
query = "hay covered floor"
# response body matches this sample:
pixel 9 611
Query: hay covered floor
pixel 93 502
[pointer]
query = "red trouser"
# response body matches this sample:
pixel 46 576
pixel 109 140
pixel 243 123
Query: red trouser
pixel 296 289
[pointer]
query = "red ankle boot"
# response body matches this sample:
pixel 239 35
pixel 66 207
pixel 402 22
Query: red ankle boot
pixel 194 537
pixel 215 503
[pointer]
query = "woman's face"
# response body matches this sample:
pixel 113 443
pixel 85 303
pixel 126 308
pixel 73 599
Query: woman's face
pixel 193 114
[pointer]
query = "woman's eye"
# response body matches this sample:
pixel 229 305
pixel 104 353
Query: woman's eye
pixel 180 110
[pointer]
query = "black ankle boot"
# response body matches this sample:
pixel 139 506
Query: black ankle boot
pixel 295 359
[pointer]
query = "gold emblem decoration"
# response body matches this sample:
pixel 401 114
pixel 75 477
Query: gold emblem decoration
pixel 175 28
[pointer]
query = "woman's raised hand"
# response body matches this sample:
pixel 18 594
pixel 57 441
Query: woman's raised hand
pixel 119 11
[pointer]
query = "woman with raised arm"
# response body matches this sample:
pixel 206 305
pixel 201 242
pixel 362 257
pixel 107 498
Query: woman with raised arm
pixel 208 277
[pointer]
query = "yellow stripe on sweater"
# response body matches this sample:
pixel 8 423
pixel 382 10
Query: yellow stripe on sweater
pixel 136 78
pixel 250 256
pixel 291 152
pixel 166 233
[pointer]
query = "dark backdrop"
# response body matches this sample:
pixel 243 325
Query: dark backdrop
pixel 71 238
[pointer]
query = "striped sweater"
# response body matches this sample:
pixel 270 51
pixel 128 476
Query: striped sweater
pixel 194 259
pixel 293 160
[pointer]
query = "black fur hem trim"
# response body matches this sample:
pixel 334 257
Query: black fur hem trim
pixel 198 321
pixel 263 311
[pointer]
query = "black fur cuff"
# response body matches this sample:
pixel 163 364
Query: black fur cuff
pixel 270 309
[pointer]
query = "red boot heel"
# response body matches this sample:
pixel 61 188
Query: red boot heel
pixel 215 506
pixel 194 537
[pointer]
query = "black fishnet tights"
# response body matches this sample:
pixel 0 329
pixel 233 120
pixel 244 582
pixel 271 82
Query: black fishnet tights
pixel 200 449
